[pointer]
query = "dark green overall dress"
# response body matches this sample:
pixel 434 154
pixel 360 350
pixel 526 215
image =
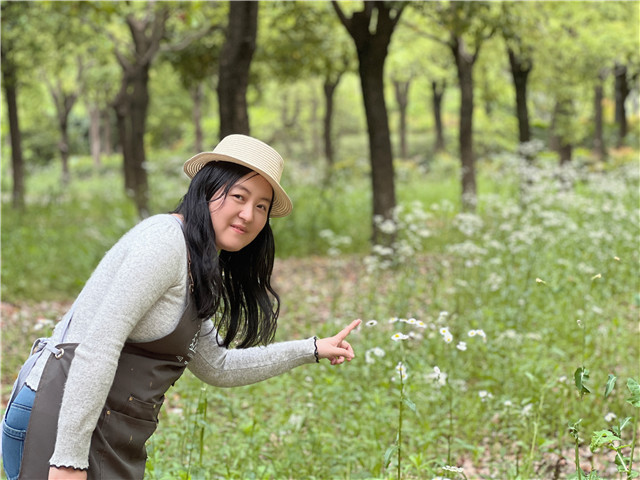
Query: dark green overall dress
pixel 145 372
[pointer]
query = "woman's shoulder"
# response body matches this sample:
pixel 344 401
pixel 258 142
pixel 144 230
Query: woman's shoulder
pixel 162 222
pixel 162 229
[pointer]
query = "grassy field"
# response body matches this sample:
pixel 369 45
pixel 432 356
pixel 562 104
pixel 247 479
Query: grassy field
pixel 495 342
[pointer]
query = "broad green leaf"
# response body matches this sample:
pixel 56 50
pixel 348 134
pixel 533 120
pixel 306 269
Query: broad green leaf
pixel 388 454
pixel 601 438
pixel 581 376
pixel 611 382
pixel 410 404
pixel 624 422
pixel 634 388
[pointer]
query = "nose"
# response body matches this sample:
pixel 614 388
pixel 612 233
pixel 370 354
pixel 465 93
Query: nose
pixel 246 213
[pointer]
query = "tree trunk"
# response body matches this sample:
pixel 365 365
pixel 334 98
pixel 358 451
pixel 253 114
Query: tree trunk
pixel 598 138
pixel 9 83
pixel 464 63
pixel 131 111
pixel 520 69
pixel 382 173
pixel 622 91
pixel 560 141
pixel 401 89
pixel 63 147
pixel 94 134
pixel 289 115
pixel 132 102
pixel 107 145
pixel 197 95
pixel 63 102
pixel 437 90
pixel 329 88
pixel 235 62
pixel 315 136
pixel 372 42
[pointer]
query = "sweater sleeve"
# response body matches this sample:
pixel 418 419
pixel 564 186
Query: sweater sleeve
pixel 224 367
pixel 146 268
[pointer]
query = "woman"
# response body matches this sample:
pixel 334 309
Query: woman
pixel 173 293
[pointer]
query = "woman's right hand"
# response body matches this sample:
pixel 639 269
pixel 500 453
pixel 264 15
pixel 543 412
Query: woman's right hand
pixel 65 473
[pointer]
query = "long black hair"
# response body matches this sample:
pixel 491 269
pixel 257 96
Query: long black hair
pixel 232 287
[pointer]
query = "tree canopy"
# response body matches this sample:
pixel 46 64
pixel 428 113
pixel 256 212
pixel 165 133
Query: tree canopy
pixel 164 75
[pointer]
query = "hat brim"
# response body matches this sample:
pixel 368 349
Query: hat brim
pixel 281 205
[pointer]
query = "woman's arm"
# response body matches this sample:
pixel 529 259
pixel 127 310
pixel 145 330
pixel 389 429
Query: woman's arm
pixel 224 367
pixel 65 473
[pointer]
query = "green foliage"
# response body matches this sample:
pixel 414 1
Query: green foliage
pixel 634 389
pixel 460 294
pixel 507 396
pixel 49 250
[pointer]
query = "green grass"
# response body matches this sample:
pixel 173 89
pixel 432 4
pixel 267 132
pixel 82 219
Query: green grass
pixel 545 250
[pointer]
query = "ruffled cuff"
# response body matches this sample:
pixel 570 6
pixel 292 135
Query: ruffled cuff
pixel 315 349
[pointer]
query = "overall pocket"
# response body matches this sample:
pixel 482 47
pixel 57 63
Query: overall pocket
pixel 118 446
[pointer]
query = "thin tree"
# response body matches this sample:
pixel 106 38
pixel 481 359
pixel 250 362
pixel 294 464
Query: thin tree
pixel 132 101
pixel 622 91
pixel 195 58
pixel 437 97
pixel 371 30
pixel 463 27
pixel 12 20
pixel 64 101
pixel 401 90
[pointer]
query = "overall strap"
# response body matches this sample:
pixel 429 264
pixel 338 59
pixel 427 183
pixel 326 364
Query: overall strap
pixel 37 348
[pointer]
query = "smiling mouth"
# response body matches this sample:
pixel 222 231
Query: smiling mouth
pixel 239 229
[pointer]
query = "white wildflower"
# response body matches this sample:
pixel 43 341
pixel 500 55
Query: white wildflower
pixel 399 336
pixel 478 332
pixel 402 371
pixel 484 395
pixel 610 417
pixel 388 227
pixel 438 376
pixel 462 346
pixel 371 323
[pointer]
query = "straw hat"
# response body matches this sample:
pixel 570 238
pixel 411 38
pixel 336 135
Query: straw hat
pixel 251 153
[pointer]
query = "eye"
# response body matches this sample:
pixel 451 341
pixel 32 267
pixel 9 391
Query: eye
pixel 263 207
pixel 237 196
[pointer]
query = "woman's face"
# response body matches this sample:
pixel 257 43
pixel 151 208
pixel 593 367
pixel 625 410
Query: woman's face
pixel 239 217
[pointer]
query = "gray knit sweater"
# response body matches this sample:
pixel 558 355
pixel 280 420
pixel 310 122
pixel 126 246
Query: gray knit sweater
pixel 137 294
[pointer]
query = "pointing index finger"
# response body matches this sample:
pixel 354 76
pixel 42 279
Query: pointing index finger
pixel 347 330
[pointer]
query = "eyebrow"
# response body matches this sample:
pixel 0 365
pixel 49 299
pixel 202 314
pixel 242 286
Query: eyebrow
pixel 245 189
